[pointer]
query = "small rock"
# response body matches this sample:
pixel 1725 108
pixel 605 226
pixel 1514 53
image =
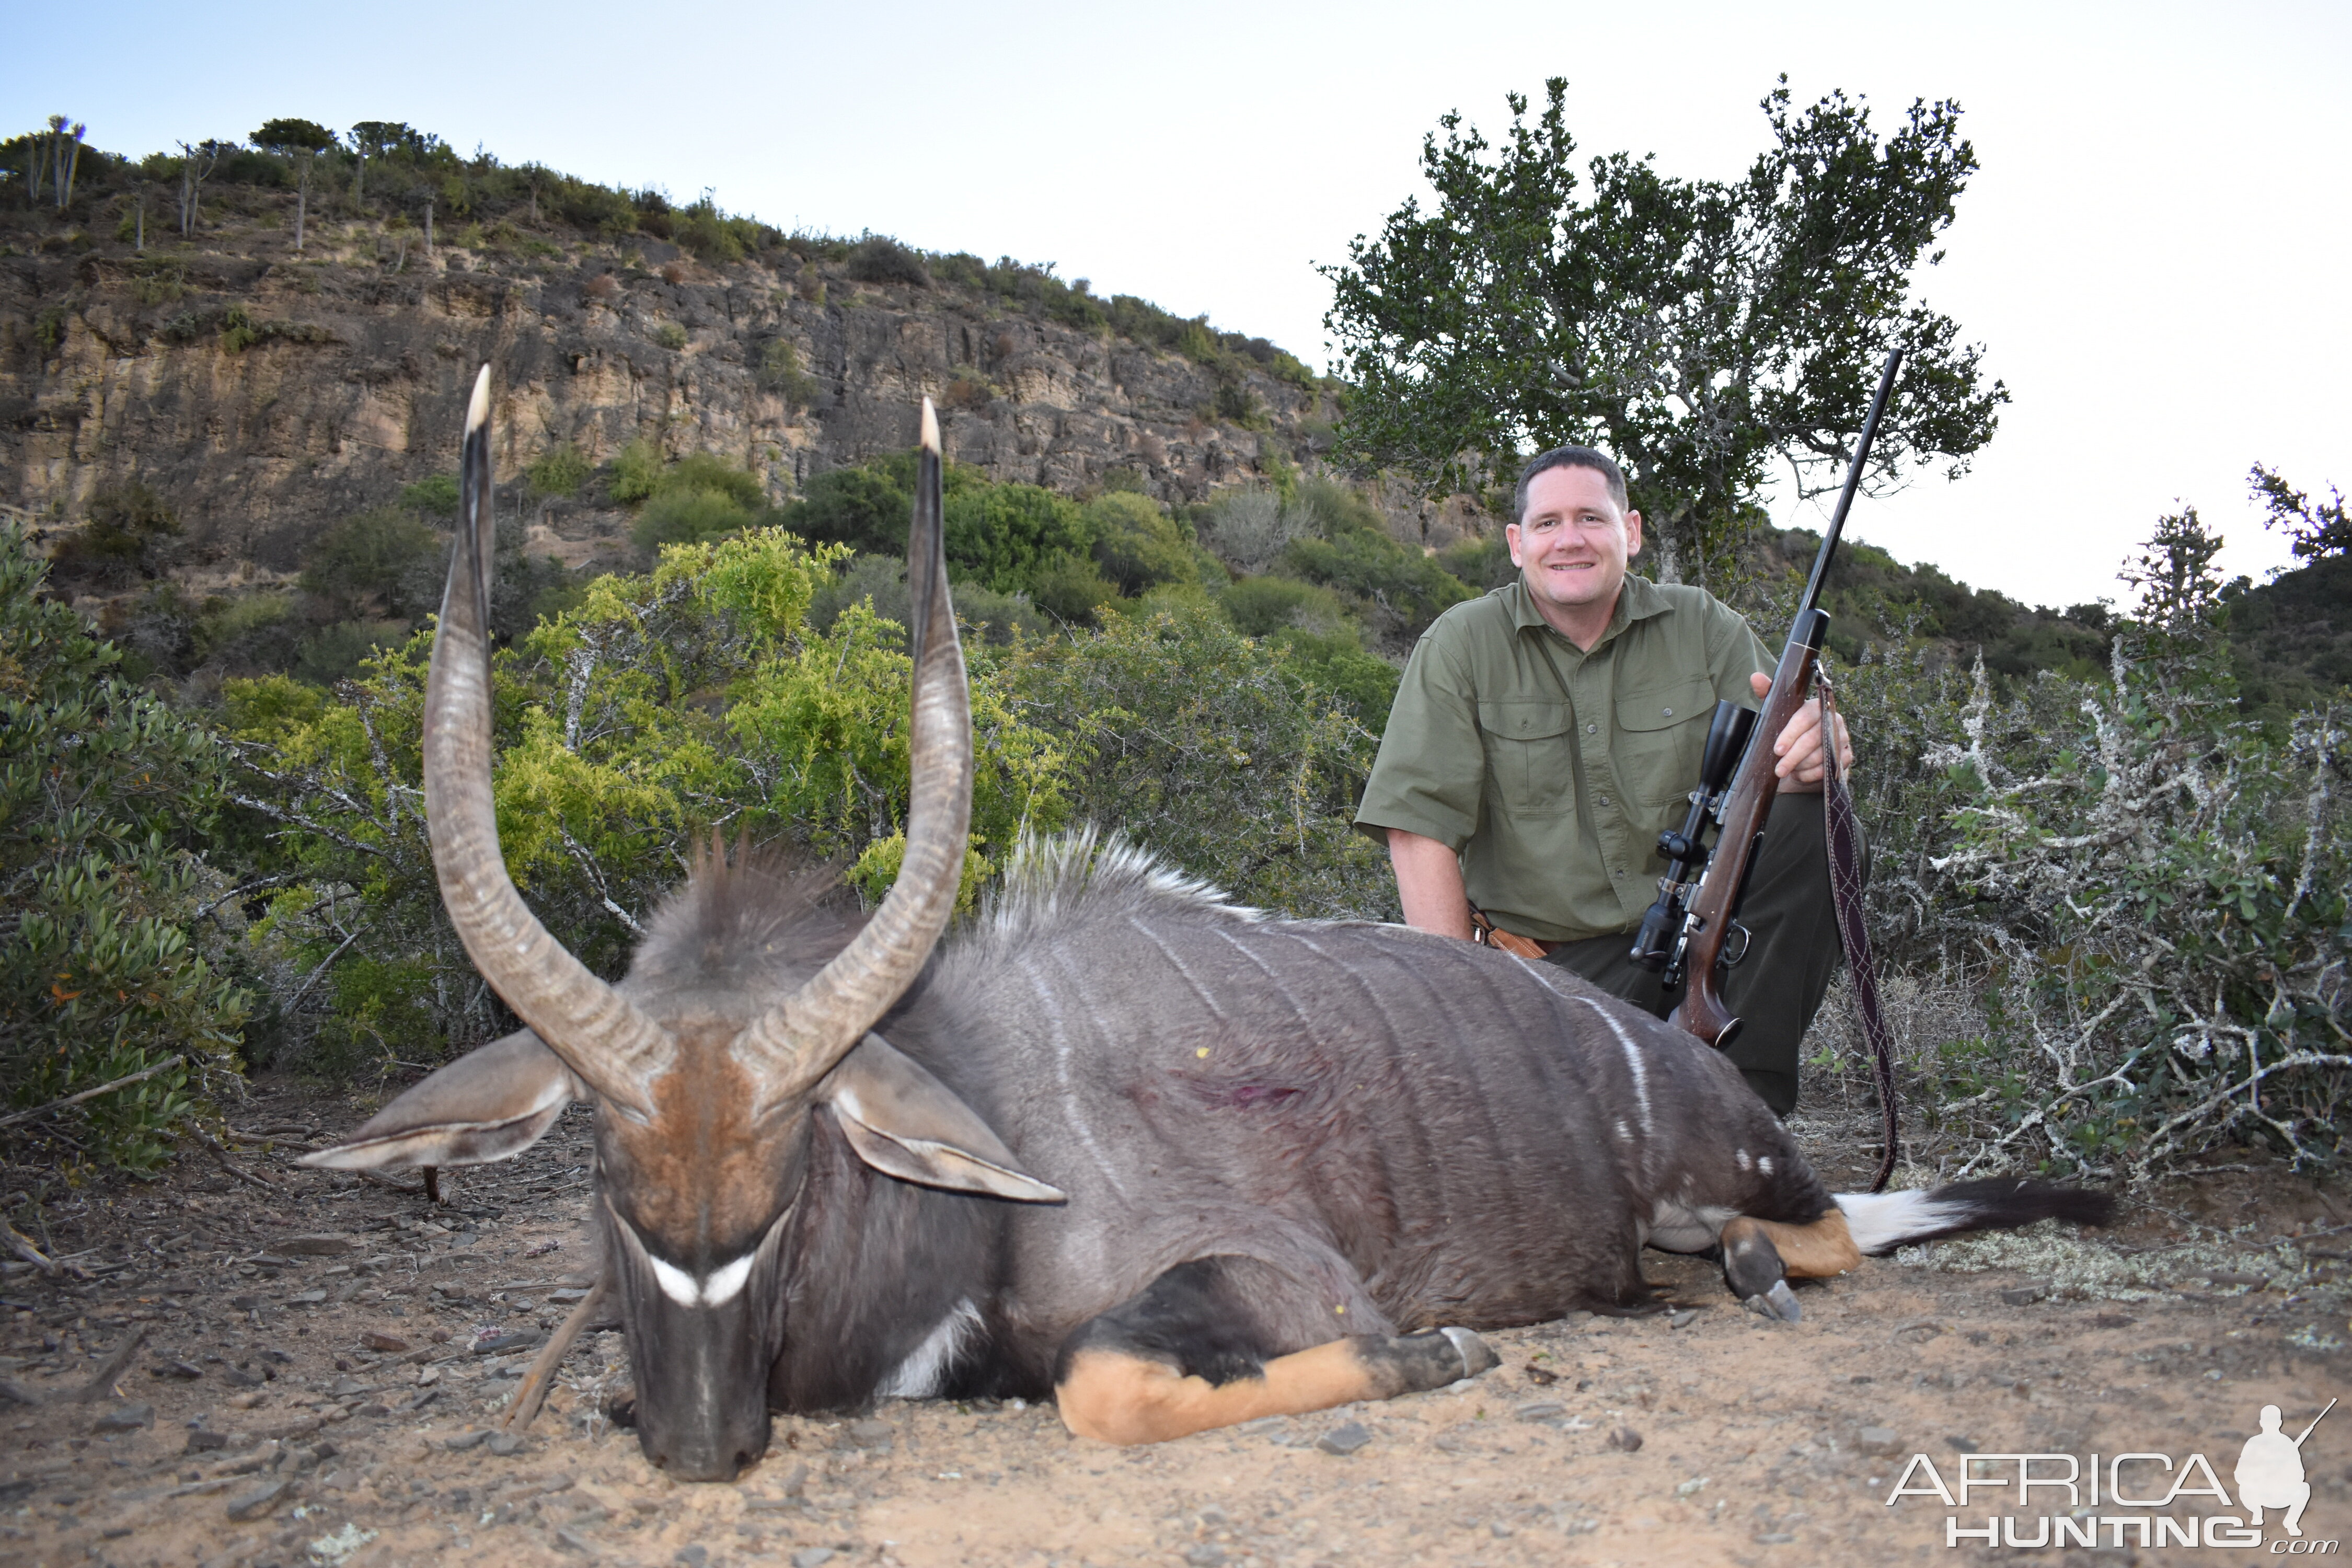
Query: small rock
pixel 811 1556
pixel 244 1303
pixel 465 1440
pixel 1541 1410
pixel 691 1556
pixel 1774 1538
pixel 1541 1378
pixel 1500 1531
pixel 125 1418
pixel 258 1501
pixel 566 1296
pixel 1204 1555
pixel 506 1445
pixel 203 1442
pixel 1625 1440
pixel 392 1344
pixel 273 1353
pixel 2024 1295
pixel 1963 1445
pixel 572 1541
pixel 511 1340
pixel 179 1369
pixel 307 1299
pixel 1345 1439
pixel 1683 1319
pixel 1876 1440
pixel 869 1434
pixel 237 1377
pixel 318 1245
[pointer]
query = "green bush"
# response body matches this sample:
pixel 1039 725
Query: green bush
pixel 1261 607
pixel 335 652
pixel 106 800
pixel 661 704
pixel 1348 549
pixel 668 334
pixel 1206 747
pixel 247 631
pixel 1070 588
pixel 437 496
pixel 780 371
pixel 688 515
pixel 881 259
pixel 129 525
pixel 386 560
pixel 1135 544
pixel 1002 534
pixel 560 470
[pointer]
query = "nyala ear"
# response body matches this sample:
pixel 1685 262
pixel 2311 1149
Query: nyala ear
pixel 906 1123
pixel 489 1104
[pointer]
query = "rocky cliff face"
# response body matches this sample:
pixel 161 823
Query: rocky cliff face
pixel 264 395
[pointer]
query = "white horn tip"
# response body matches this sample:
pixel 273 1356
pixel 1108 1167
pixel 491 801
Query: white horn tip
pixel 478 412
pixel 930 426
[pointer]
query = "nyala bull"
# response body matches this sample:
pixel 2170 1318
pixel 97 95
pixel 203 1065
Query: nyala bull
pixel 1175 1163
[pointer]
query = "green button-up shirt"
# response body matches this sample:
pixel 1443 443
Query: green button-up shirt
pixel 1550 770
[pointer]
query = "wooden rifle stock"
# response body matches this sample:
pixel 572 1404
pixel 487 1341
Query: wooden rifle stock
pixel 1746 810
pixel 1747 806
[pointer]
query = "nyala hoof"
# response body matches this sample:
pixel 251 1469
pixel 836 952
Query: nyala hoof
pixel 1476 1357
pixel 1779 1303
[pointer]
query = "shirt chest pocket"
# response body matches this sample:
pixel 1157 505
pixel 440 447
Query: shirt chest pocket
pixel 1661 738
pixel 1530 753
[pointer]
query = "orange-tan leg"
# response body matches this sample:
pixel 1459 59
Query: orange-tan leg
pixel 1114 1396
pixel 1760 1254
pixel 1812 1251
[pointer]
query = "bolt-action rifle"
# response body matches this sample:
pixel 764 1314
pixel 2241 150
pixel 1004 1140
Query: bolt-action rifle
pixel 1685 934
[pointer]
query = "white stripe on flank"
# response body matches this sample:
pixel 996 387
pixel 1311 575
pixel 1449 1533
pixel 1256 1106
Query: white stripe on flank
pixel 1633 1063
pixel 1878 1221
pixel 924 1371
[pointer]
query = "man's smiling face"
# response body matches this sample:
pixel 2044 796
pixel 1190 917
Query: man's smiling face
pixel 1572 547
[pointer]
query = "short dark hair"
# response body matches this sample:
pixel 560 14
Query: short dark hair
pixel 1569 457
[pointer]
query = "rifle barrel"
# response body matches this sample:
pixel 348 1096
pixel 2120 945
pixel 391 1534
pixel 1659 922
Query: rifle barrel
pixel 1853 483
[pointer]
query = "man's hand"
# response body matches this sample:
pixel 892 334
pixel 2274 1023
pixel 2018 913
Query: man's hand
pixel 1799 745
pixel 1429 885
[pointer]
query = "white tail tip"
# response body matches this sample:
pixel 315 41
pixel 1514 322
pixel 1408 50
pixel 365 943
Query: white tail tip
pixel 478 412
pixel 930 426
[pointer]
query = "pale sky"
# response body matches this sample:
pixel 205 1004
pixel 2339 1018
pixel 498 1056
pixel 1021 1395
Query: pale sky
pixel 2152 252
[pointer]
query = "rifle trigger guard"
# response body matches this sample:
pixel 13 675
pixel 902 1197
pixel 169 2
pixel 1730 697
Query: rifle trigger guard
pixel 1732 955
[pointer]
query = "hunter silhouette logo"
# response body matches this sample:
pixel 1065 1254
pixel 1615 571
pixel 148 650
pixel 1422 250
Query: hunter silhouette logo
pixel 2056 1500
pixel 2270 1471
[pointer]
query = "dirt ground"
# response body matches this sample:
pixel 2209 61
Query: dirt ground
pixel 323 1359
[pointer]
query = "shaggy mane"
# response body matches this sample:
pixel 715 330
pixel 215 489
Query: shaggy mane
pixel 1092 875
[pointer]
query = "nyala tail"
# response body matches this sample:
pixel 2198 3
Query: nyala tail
pixel 1880 1222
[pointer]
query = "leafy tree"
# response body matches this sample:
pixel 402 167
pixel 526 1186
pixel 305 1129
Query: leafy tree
pixel 1697 330
pixel 197 161
pixel 107 797
pixel 2318 529
pixel 302 140
pixel 374 139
